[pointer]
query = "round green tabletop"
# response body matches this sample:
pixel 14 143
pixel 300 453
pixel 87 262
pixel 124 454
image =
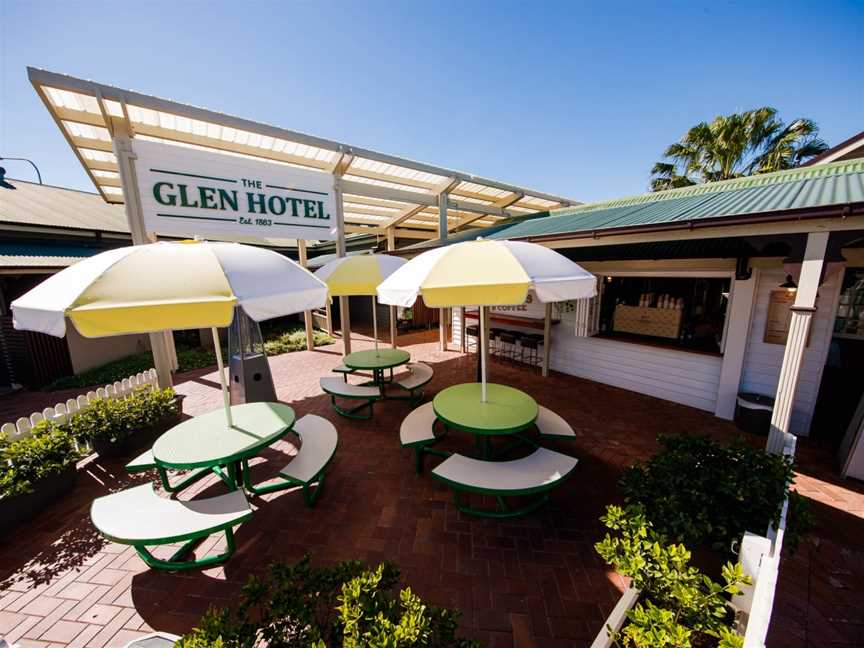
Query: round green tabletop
pixel 380 359
pixel 207 440
pixel 506 411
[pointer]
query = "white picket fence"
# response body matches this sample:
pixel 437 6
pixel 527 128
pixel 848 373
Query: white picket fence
pixel 61 412
pixel 760 559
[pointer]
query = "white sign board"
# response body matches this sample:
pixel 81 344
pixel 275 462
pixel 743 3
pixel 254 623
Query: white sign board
pixel 188 192
pixel 531 308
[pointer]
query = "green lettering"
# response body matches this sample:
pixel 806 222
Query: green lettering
pixel 184 199
pixel 277 205
pixel 229 198
pixel 170 199
pixel 254 199
pixel 295 203
pixel 207 195
pixel 309 209
pixel 321 213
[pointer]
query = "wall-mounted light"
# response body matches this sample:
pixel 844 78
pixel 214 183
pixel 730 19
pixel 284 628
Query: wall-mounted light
pixel 789 284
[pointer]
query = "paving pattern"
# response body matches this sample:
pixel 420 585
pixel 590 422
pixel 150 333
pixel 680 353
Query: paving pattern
pixel 534 581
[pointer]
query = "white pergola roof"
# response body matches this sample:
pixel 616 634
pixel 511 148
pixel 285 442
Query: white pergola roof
pixel 380 191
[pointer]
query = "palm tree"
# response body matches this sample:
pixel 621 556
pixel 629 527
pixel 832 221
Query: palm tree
pixel 736 145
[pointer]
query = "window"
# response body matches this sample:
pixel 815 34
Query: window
pixel 687 313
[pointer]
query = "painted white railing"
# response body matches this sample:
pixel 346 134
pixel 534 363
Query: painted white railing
pixel 760 559
pixel 61 412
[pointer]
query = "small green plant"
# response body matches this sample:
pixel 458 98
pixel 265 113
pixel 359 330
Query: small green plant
pixel 293 340
pixel 700 492
pixel 115 419
pixel 48 450
pixel 680 606
pixel 344 605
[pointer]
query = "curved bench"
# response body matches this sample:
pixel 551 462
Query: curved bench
pixel 538 473
pixel 308 466
pixel 139 517
pixel 418 432
pixel 552 425
pixel 419 375
pixel 145 461
pixel 338 387
pixel 344 370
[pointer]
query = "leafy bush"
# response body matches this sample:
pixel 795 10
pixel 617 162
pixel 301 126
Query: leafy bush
pixel 679 607
pixel 115 419
pixel 47 451
pixel 700 492
pixel 293 340
pixel 347 605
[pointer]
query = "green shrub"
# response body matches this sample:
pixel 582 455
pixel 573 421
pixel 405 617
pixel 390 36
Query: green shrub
pixel 115 419
pixel 679 606
pixel 293 340
pixel 48 450
pixel 347 605
pixel 700 492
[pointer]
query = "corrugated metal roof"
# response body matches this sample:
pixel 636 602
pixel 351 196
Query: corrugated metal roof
pixel 35 204
pixel 21 261
pixel 838 183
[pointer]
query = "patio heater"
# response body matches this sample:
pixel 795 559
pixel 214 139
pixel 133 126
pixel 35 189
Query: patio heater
pixel 249 372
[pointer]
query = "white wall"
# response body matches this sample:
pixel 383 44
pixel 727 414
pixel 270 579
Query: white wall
pixel 87 353
pixel 762 361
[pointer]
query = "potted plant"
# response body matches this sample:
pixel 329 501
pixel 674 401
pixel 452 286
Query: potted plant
pixel 35 470
pixel 117 427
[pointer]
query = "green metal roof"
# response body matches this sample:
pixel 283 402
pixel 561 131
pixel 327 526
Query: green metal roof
pixel 838 183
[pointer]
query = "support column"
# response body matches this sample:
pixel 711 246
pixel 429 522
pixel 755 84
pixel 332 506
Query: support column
pixel 442 236
pixel 163 357
pixel 739 315
pixel 796 342
pixel 307 315
pixel 547 339
pixel 391 245
pixel 344 315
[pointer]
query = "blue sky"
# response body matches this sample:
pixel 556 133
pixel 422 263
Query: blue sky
pixel 572 98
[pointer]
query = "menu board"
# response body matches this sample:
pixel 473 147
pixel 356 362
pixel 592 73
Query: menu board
pixel 780 304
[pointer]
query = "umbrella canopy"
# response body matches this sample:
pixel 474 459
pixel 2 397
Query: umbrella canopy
pixel 487 273
pixel 358 275
pixel 162 286
pixel 148 288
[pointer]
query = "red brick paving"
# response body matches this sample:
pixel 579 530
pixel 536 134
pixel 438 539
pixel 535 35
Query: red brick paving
pixel 531 581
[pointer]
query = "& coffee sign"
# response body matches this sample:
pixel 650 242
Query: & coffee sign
pixel 189 192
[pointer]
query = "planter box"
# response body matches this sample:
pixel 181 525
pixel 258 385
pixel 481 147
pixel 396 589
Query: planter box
pixel 138 441
pixel 19 508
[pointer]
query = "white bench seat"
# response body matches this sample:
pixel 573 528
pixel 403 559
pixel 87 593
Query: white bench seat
pixel 338 387
pixel 418 375
pixel 553 425
pixel 320 439
pixel 145 461
pixel 417 427
pixel 539 472
pixel 138 516
pixel 142 462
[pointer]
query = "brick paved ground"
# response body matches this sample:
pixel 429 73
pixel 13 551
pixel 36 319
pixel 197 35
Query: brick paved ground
pixel 537 577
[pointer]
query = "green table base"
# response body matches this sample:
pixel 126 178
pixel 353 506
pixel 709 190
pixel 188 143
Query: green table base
pixel 376 362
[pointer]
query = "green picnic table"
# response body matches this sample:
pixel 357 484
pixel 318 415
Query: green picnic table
pixel 208 442
pixel 507 411
pixel 377 362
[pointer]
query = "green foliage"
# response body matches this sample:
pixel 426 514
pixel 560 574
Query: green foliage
pixel 293 340
pixel 48 450
pixel 680 607
pixel 115 419
pixel 700 492
pixel 348 605
pixel 740 144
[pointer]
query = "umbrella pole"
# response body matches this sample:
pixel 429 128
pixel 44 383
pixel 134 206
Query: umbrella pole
pixel 483 342
pixel 375 323
pixel 226 399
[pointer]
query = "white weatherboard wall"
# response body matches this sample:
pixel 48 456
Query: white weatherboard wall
pixel 762 361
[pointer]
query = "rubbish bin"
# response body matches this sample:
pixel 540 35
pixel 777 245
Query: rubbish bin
pixel 753 413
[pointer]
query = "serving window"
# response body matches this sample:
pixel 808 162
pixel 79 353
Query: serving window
pixel 679 312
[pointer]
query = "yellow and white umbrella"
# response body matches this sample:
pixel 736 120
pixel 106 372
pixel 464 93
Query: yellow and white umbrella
pixel 487 273
pixel 167 286
pixel 359 275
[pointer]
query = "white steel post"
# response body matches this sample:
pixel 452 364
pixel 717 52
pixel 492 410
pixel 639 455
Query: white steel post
pixel 484 340
pixel 344 315
pixel 442 235
pixel 738 315
pixel 547 338
pixel 796 342
pixel 163 359
pixel 307 315
pixel 391 245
